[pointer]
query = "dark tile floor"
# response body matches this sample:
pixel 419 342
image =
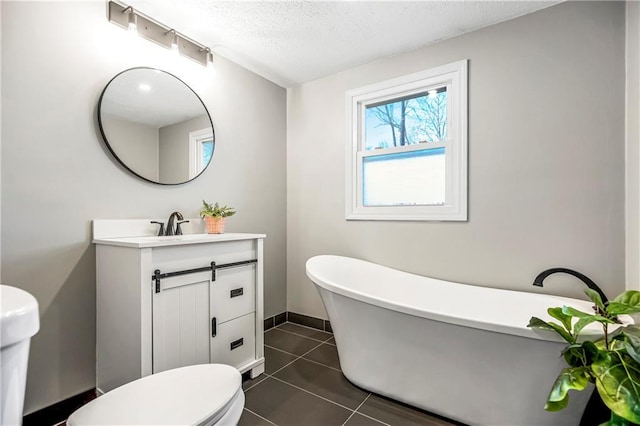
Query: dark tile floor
pixel 303 385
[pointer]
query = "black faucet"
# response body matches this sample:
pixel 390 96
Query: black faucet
pixel 586 280
pixel 171 230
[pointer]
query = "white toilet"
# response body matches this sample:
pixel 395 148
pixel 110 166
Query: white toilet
pixel 203 394
pixel 19 320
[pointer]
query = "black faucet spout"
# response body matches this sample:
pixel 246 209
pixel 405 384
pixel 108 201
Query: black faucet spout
pixel 171 228
pixel 586 280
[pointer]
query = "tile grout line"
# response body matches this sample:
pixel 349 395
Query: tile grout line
pixel 302 356
pixel 368 416
pixel 324 365
pixel 357 408
pixel 305 326
pixel 302 335
pixel 279 350
pixel 263 418
pixel 298 357
pixel 311 393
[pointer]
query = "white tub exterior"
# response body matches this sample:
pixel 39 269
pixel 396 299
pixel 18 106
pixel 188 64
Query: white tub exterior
pixel 457 350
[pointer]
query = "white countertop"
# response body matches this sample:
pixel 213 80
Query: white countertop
pixel 174 240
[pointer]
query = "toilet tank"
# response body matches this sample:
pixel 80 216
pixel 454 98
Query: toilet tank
pixel 19 321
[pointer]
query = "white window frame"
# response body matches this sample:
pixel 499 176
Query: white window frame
pixel 454 76
pixel 195 150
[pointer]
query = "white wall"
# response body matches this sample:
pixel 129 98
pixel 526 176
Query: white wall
pixel 546 161
pixel 58 176
pixel 632 137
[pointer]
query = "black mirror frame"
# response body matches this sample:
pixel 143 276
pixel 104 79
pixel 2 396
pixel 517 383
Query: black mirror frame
pixel 111 150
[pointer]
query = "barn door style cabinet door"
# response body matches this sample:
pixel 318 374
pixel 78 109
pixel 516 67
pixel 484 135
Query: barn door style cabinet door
pixel 167 303
pixel 198 319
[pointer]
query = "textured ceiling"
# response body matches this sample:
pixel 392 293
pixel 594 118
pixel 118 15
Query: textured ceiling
pixel 293 42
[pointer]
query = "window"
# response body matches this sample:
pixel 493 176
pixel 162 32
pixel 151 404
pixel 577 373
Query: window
pixel 407 147
pixel 201 147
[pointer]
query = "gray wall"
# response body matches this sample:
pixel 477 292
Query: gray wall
pixel 174 148
pixel 546 160
pixel 632 168
pixel 136 144
pixel 57 176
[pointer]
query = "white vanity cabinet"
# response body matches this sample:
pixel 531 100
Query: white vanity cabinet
pixel 167 302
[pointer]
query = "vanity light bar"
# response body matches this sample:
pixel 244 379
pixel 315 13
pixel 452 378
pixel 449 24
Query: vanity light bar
pixel 146 27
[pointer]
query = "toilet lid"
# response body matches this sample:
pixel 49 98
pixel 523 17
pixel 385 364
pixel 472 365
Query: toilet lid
pixel 183 396
pixel 19 318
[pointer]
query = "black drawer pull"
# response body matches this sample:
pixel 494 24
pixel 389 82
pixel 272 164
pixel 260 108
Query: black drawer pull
pixel 214 327
pixel 237 292
pixel 236 344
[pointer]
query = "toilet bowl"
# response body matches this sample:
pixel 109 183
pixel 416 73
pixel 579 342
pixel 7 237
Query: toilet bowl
pixel 19 320
pixel 203 394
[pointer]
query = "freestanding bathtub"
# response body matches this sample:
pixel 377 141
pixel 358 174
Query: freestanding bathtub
pixel 457 350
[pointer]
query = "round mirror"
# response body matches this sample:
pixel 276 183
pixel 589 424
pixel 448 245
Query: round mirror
pixel 156 126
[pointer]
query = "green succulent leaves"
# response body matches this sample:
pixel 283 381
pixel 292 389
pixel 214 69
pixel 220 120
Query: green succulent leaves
pixel 612 363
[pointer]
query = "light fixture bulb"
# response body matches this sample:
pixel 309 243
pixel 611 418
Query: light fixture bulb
pixel 174 41
pixel 144 87
pixel 209 59
pixel 132 26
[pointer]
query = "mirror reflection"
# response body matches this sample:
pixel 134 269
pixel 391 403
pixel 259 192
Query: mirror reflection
pixel 156 126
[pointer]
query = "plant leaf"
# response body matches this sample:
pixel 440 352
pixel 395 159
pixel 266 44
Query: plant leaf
pixel 569 379
pixel 626 303
pixel 574 355
pixel 561 316
pixel 537 323
pixel 616 420
pixel 581 354
pixel 632 345
pixel 633 329
pixel 584 316
pixel 629 297
pixel 583 322
pixel 568 310
pixel 595 298
pixel 618 383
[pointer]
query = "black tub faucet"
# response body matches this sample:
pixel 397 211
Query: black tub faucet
pixel 586 280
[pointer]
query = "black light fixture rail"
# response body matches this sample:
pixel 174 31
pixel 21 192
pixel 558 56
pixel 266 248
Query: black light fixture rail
pixel 158 275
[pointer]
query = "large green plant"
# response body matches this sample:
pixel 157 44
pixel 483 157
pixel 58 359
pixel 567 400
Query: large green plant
pixel 612 362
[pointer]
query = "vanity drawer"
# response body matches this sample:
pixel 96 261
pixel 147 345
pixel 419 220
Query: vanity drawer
pixel 234 343
pixel 177 258
pixel 233 292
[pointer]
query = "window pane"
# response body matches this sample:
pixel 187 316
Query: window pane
pixel 207 152
pixel 408 178
pixel 406 121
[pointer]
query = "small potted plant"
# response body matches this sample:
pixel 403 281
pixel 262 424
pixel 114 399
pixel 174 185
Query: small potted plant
pixel 612 362
pixel 214 216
